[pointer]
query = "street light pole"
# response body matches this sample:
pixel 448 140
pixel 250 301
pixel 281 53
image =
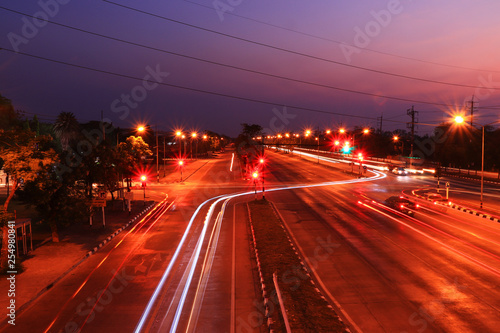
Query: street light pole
pixel 157 157
pixel 482 169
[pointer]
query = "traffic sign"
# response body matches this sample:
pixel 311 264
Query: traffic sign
pixel 98 202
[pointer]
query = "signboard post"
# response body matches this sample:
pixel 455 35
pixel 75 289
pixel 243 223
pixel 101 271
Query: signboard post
pixel 447 189
pixel 129 196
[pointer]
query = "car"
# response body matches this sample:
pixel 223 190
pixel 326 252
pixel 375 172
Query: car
pixel 402 204
pixel 399 171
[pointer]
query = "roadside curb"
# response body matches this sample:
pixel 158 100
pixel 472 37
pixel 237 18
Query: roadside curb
pixel 473 212
pixel 90 253
pixel 307 270
pixel 464 209
pixel 261 277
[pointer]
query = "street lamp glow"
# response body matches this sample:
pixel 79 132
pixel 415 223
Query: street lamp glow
pixel 178 133
pixel 181 163
pixel 143 178
pixel 194 135
pixel 366 131
pixel 255 175
pixel 204 137
pixel 342 130
pixel 459 119
pixel 337 142
pixel 140 129
pixel 328 131
pixel 395 138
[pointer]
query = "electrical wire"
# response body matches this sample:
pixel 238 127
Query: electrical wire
pixel 295 52
pixel 206 91
pixel 222 64
pixel 343 43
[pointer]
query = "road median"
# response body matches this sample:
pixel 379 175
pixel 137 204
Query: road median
pixel 306 308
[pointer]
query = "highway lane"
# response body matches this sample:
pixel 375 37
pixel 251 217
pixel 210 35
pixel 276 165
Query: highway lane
pixel 110 290
pixel 390 272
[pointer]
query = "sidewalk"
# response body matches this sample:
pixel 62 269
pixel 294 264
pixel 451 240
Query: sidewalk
pixel 49 262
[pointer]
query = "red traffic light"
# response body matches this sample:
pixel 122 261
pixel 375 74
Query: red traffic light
pixel 181 163
pixel 255 175
pixel 144 178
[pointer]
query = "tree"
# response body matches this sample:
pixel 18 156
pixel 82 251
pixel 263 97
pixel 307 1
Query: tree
pixel 25 157
pixel 130 155
pixel 66 128
pixel 58 201
pixel 9 118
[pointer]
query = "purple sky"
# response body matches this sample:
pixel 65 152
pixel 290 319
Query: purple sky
pixel 456 42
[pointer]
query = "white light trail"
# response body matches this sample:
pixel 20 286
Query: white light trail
pixel 156 293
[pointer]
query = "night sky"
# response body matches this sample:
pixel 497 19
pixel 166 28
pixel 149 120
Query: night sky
pixel 278 58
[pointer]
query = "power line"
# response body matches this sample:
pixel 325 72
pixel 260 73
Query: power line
pixel 338 42
pixel 201 90
pixel 294 52
pixel 226 65
pixel 232 66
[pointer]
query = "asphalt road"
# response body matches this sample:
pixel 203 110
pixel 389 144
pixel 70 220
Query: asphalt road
pixel 138 279
pixel 188 265
pixel 389 272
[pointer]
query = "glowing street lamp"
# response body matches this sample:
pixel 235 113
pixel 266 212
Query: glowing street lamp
pixel 144 178
pixel 255 175
pixel 141 129
pixel 181 166
pixel 460 120
pixel 178 134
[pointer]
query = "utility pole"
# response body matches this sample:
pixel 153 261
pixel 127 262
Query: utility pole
pixel 102 126
pixel 379 123
pixel 471 111
pixel 411 112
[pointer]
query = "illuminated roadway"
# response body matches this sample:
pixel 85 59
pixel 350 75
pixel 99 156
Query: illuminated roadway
pixel 188 266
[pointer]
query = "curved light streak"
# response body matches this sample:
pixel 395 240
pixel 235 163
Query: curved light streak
pixel 156 293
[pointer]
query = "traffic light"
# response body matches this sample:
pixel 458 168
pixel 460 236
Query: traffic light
pixel 346 149
pixel 255 175
pixel 143 179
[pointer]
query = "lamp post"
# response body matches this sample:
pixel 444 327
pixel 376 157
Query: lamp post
pixel 262 162
pixel 157 158
pixel 143 179
pixel 181 164
pixel 461 120
pixel 178 134
pixel 194 136
pixel 255 175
